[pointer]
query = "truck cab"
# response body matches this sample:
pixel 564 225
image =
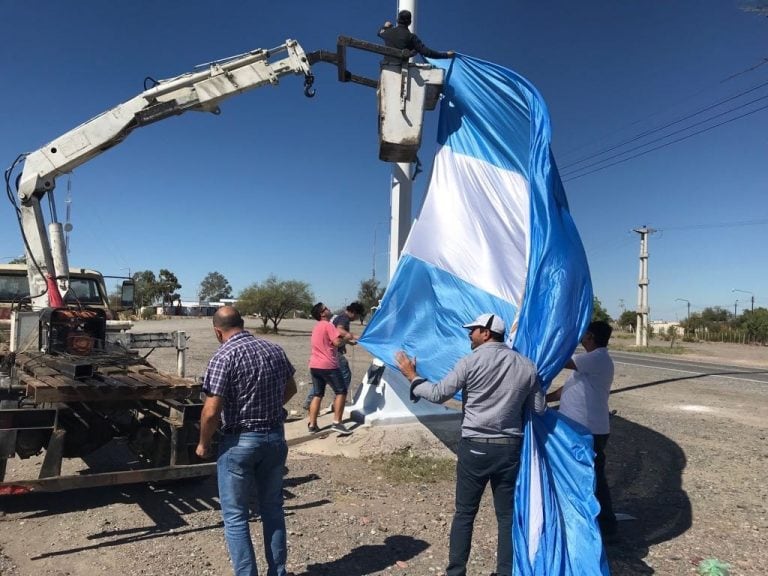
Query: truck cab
pixel 87 289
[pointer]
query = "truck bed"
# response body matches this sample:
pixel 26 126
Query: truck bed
pixel 48 381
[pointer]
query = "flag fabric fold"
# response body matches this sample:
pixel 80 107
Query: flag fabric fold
pixel 495 235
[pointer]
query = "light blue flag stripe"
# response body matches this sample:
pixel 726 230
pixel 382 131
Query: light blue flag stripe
pixel 421 314
pixel 555 312
pixel 496 117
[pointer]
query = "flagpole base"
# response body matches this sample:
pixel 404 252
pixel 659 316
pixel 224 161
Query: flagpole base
pixel 384 398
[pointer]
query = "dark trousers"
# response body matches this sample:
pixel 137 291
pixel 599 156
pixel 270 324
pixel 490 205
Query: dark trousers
pixel 606 519
pixel 478 464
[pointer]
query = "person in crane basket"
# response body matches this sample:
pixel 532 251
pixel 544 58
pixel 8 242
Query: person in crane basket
pixel 402 38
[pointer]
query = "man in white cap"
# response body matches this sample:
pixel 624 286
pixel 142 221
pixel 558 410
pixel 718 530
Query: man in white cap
pixel 497 385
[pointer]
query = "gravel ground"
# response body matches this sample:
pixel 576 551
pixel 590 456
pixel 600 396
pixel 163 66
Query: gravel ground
pixel 687 459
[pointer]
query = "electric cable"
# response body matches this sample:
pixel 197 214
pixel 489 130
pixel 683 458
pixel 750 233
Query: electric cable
pixel 639 146
pixel 569 178
pixel 672 123
pixel 736 224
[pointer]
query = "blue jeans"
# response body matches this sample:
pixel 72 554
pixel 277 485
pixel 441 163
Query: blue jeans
pixel 253 462
pixel 346 373
pixel 478 464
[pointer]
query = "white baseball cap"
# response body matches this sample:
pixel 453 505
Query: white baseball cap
pixel 489 321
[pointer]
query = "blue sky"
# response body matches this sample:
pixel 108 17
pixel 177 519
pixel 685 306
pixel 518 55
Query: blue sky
pixel 280 184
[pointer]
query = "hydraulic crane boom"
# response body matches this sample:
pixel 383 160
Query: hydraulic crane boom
pixel 405 91
pixel 200 91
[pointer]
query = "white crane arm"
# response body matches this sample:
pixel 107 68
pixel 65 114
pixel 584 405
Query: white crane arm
pixel 199 91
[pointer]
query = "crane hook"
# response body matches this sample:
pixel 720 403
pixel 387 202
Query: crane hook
pixel 309 91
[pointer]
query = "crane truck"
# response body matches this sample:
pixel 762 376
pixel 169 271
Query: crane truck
pixel 68 385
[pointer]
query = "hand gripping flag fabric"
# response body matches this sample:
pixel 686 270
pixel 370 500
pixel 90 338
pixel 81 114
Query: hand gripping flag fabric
pixel 495 235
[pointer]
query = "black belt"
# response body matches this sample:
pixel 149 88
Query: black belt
pixel 506 440
pixel 243 429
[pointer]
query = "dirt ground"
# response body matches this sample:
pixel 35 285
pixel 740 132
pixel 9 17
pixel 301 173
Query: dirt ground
pixel 687 459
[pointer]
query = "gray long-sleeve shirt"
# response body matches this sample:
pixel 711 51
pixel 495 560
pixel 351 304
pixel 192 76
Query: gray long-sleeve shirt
pixel 498 384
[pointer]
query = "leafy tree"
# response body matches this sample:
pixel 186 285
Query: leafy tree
pixel 669 335
pixel 215 287
pixel 756 324
pixel 712 319
pixel 692 322
pixel 273 299
pixel 116 303
pixel 146 288
pixel 19 260
pixel 370 293
pixel 628 318
pixel 115 298
pixel 598 312
pixel 715 314
pixel 167 284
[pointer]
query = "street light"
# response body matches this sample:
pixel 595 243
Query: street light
pixel 688 318
pixel 752 299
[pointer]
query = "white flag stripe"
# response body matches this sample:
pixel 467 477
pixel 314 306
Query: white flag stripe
pixel 535 504
pixel 465 200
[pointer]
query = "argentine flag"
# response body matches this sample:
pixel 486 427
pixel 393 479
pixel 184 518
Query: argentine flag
pixel 495 235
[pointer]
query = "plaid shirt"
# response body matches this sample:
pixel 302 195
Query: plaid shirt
pixel 250 375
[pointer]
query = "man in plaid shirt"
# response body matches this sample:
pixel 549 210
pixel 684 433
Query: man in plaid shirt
pixel 246 384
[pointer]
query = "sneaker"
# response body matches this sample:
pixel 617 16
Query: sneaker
pixel 340 429
pixel 312 429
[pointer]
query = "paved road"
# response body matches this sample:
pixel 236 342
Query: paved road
pixel 692 367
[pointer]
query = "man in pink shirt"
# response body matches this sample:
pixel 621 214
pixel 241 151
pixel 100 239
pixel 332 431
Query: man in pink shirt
pixel 324 368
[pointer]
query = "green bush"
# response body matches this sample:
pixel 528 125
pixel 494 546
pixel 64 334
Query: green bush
pixel 148 313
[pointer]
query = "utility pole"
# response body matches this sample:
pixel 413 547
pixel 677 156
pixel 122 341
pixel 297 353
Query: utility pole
pixel 373 271
pixel 752 297
pixel 402 185
pixel 735 307
pixel 688 316
pixel 641 336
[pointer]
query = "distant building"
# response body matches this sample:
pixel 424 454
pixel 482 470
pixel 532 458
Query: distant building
pixel 195 308
pixel 660 327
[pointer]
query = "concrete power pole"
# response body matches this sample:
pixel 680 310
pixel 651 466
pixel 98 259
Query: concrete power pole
pixel 641 335
pixel 402 185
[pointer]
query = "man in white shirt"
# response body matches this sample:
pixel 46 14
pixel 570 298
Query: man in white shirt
pixel 584 400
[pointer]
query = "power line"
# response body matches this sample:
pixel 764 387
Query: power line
pixel 750 69
pixel 666 108
pixel 570 178
pixel 660 128
pixel 700 122
pixel 735 224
